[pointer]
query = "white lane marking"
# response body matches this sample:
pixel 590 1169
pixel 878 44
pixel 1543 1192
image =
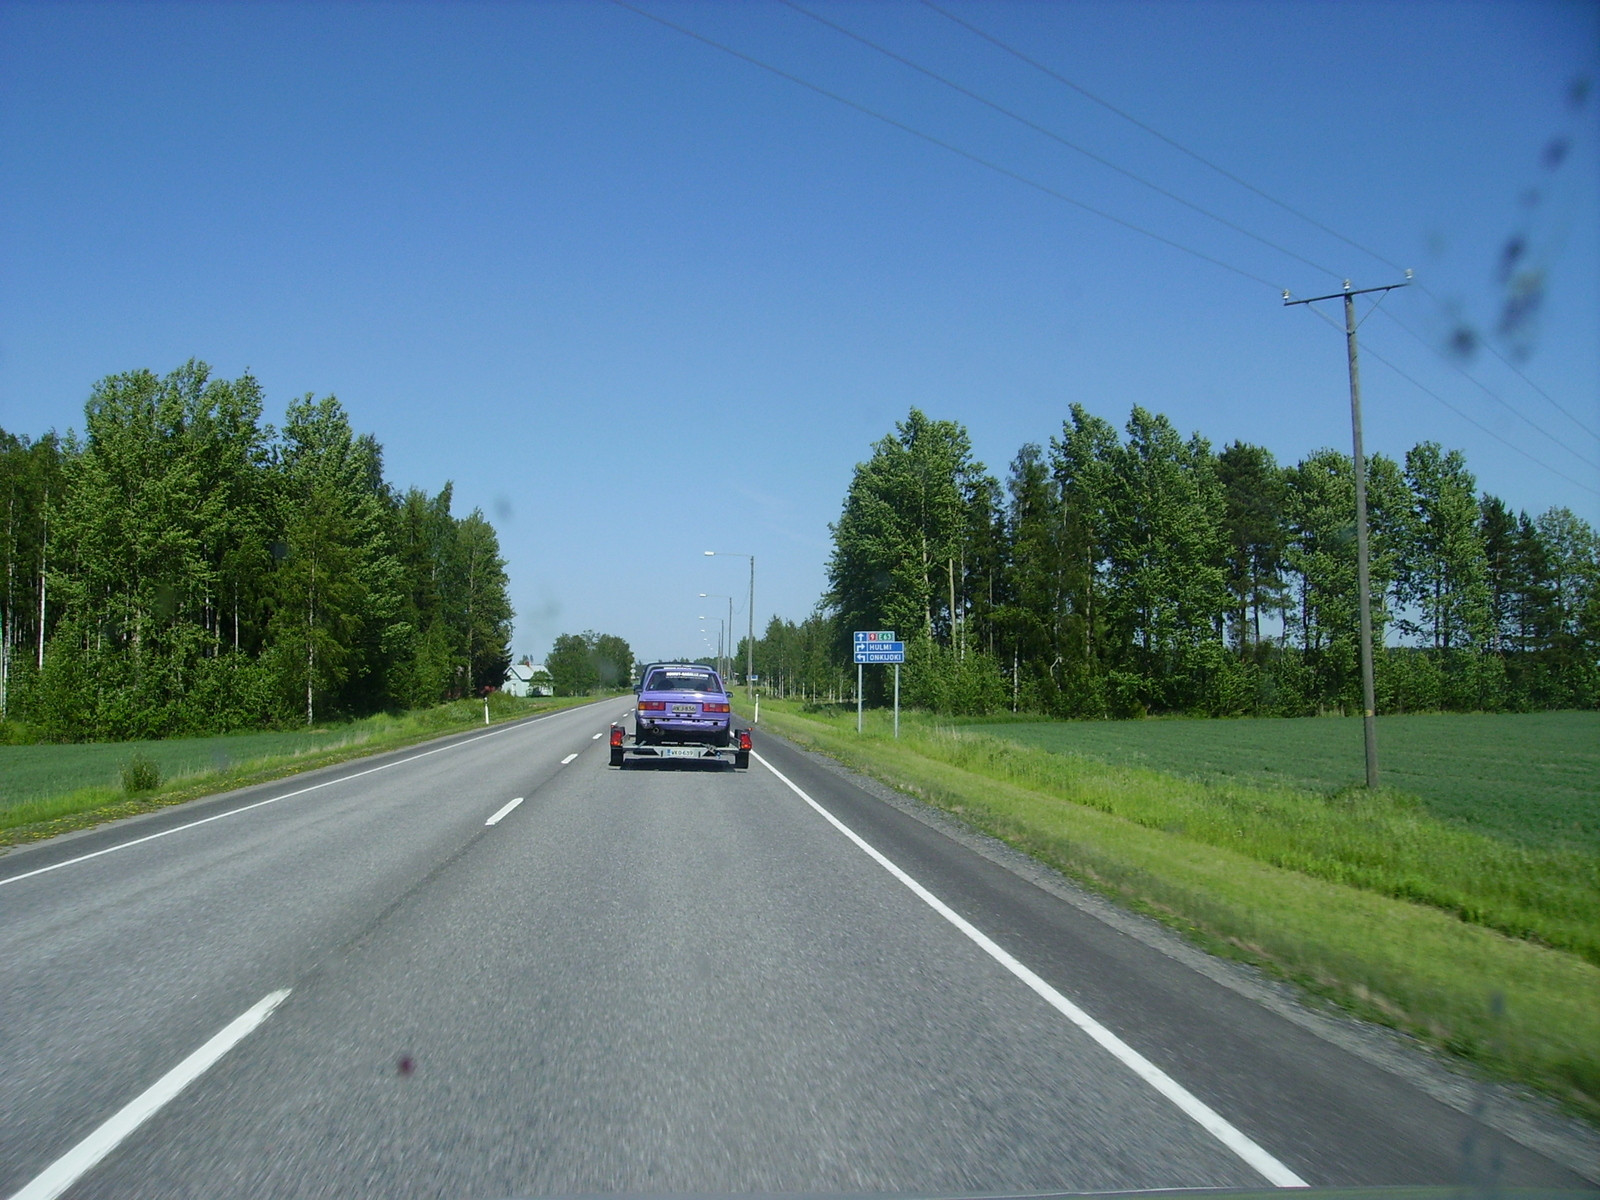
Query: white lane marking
pixel 233 812
pixel 598 736
pixel 1192 1106
pixel 568 759
pixel 506 811
pixel 77 1162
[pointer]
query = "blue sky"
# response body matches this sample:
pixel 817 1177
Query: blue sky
pixel 540 249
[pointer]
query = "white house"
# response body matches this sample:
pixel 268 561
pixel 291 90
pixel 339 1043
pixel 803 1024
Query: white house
pixel 527 679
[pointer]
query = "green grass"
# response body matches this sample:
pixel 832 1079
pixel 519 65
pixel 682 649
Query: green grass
pixel 1483 944
pixel 50 789
pixel 39 772
pixel 1533 778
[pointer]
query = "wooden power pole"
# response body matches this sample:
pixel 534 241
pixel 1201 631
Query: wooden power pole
pixel 1369 724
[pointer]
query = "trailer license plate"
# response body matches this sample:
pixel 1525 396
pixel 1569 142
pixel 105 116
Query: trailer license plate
pixel 681 752
pixel 685 708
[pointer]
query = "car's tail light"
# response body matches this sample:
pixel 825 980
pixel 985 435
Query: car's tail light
pixel 744 739
pixel 616 735
pixel 714 708
pixel 652 706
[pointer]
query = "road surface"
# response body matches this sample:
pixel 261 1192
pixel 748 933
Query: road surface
pixel 495 966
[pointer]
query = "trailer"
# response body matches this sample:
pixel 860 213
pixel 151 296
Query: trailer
pixel 626 750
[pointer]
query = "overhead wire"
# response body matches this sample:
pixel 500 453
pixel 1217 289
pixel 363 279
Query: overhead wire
pixel 1000 44
pixel 1056 137
pixel 944 145
pixel 1155 133
pixel 1489 392
pixel 1506 362
pixel 1368 352
pixel 1055 193
pixel 1512 445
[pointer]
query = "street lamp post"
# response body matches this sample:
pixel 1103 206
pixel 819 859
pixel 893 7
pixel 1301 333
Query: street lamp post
pixel 722 633
pixel 729 599
pixel 750 636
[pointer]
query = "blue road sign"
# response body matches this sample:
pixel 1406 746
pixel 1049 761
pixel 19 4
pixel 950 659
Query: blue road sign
pixel 880 652
pixel 874 635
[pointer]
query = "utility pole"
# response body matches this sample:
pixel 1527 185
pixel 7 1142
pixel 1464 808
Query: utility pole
pixel 1369 720
pixel 750 637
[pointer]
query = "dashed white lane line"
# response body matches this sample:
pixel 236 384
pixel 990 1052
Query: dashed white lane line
pixel 598 736
pixel 1191 1105
pixel 495 820
pixel 568 759
pixel 81 1159
pixel 234 812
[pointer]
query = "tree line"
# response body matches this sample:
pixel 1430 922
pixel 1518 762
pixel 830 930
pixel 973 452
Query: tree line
pixel 1122 573
pixel 580 663
pixel 182 568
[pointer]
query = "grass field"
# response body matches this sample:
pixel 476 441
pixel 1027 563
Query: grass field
pixel 39 772
pixel 1486 943
pixel 50 789
pixel 1530 777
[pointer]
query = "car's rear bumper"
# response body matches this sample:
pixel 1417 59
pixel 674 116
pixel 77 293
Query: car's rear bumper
pixel 713 726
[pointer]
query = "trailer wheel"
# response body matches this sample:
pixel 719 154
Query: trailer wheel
pixel 616 757
pixel 741 760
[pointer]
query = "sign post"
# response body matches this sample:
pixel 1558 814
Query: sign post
pixel 897 700
pixel 879 646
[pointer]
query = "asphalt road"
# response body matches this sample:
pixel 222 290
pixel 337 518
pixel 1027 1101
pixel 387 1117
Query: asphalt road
pixel 649 981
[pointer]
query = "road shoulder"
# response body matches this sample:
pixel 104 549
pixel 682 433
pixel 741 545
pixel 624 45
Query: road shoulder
pixel 1522 1116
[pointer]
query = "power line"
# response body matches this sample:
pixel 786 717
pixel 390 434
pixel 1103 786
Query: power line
pixel 1062 196
pixel 943 145
pixel 1056 137
pixel 1490 347
pixel 1244 183
pixel 1156 133
pixel 1484 388
pixel 1421 387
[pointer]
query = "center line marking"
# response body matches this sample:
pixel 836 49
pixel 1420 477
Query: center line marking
pixel 244 808
pixel 81 1159
pixel 1191 1105
pixel 495 820
pixel 568 759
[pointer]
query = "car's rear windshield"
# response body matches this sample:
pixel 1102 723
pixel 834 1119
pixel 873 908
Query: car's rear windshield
pixel 683 681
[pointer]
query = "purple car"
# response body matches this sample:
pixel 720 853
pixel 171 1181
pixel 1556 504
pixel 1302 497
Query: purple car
pixel 682 702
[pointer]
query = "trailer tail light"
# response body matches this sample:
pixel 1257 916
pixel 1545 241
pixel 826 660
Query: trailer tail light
pixel 652 706
pixel 744 739
pixel 719 708
pixel 616 735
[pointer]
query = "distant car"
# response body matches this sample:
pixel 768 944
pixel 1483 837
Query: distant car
pixel 682 702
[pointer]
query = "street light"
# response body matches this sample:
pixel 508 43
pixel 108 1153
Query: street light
pixel 729 599
pixel 750 637
pixel 722 633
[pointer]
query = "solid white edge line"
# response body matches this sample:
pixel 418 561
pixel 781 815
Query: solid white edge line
pixel 568 759
pixel 1270 1169
pixel 495 820
pixel 233 812
pixel 81 1159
